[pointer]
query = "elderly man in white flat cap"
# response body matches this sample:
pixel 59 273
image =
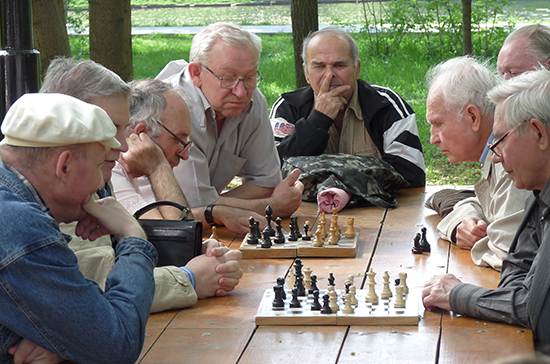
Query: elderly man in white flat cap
pixel 52 154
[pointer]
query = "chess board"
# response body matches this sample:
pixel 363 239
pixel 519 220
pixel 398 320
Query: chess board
pixel 345 248
pixel 365 314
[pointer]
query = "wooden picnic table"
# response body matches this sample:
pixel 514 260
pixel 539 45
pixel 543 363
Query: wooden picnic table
pixel 223 329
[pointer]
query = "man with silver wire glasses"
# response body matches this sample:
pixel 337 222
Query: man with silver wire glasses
pixel 231 129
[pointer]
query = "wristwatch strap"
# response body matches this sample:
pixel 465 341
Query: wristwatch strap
pixel 208 216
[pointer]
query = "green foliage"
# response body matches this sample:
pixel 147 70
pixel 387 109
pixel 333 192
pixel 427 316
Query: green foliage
pixel 388 25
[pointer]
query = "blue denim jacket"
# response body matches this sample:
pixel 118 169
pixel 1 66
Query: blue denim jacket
pixel 44 297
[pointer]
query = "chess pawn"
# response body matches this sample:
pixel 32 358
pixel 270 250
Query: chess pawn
pixel 333 300
pixel 386 292
pixel 333 237
pixel 424 245
pixel 348 308
pixel 326 306
pixel 306 236
pixel 315 305
pixel 350 230
pixel 281 282
pixel 313 287
pixel 351 278
pixel 403 282
pixel 214 234
pixel 399 301
pixel 307 277
pixel 352 292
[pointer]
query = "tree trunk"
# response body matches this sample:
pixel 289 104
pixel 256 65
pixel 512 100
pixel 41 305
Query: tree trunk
pixel 111 36
pixel 305 18
pixel 50 31
pixel 466 27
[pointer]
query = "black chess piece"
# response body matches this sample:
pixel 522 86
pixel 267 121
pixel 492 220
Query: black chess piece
pixel 269 216
pixel 315 305
pixel 296 227
pixel 266 241
pixel 257 231
pixel 299 285
pixel 298 268
pixel 281 282
pixel 331 279
pixel 424 245
pixel 306 235
pixel 278 302
pixel 279 236
pixel 292 234
pixel 252 238
pixel 416 249
pixel 295 303
pixel 313 286
pixel 326 306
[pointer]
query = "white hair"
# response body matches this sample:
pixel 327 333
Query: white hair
pixel 524 97
pixel 464 81
pixel 232 34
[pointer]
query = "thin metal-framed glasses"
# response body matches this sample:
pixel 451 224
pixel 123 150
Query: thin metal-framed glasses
pixel 230 82
pixel 185 145
pixel 493 146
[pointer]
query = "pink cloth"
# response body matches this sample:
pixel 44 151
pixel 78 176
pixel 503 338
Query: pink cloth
pixel 332 197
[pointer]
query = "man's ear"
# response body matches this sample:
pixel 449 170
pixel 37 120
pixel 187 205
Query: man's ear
pixel 140 128
pixel 358 70
pixel 195 70
pixel 64 165
pixel 542 133
pixel 305 73
pixel 473 115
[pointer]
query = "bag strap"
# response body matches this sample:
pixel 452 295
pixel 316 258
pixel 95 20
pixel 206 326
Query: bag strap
pixel 184 209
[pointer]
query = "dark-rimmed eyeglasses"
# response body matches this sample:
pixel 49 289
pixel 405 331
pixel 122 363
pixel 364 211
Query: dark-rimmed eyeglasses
pixel 493 146
pixel 230 82
pixel 185 145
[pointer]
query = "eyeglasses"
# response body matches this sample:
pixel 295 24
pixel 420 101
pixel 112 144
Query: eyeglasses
pixel 185 145
pixel 493 146
pixel 230 82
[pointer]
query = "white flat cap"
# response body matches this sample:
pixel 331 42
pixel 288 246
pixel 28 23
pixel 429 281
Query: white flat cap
pixel 53 120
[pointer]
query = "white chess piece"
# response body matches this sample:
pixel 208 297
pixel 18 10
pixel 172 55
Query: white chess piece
pixel 350 230
pixel 399 301
pixel 333 300
pixel 386 292
pixel 371 297
pixel 352 292
pixel 348 308
pixel 403 282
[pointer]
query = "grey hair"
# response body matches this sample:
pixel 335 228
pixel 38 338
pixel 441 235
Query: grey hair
pixel 82 79
pixel 539 40
pixel 38 157
pixel 335 32
pixel 232 34
pixel 464 81
pixel 524 97
pixel 148 103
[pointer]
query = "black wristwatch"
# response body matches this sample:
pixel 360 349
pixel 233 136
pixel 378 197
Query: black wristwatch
pixel 208 216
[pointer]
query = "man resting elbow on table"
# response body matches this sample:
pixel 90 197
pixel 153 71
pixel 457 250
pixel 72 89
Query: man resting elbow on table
pixel 522 132
pixel 231 129
pixel 216 272
pixel 461 119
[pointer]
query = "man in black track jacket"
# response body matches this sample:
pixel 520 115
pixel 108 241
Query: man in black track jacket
pixel 339 113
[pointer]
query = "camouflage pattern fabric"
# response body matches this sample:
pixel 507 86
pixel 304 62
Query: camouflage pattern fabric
pixel 370 180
